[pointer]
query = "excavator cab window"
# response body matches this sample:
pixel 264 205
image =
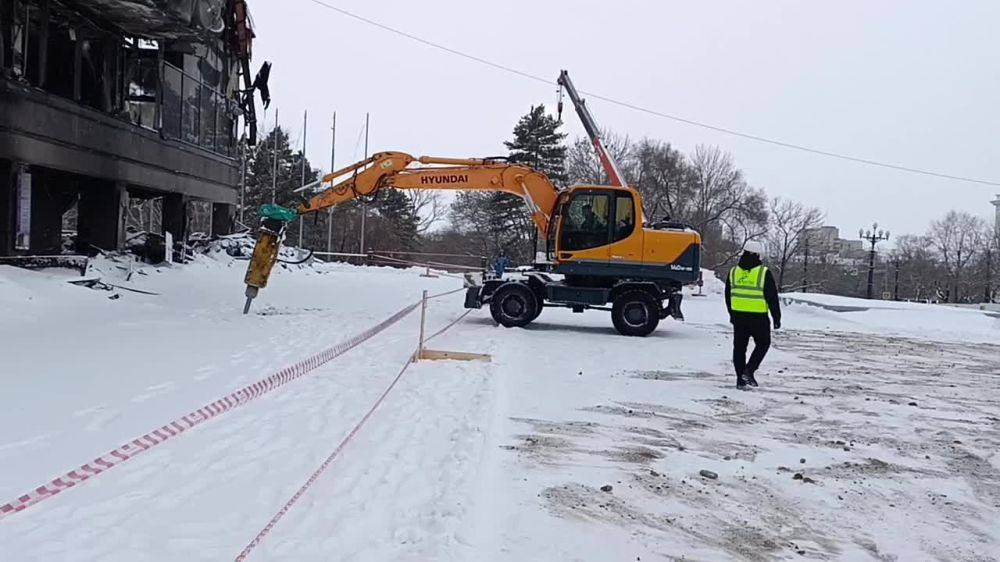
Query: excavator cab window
pixel 624 217
pixel 585 223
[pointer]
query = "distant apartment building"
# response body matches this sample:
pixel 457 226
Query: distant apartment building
pixel 825 243
pixel 107 103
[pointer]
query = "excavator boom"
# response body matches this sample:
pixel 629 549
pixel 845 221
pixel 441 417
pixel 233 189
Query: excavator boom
pixel 402 171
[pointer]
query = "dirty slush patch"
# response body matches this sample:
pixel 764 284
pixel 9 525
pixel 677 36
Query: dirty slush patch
pixel 896 430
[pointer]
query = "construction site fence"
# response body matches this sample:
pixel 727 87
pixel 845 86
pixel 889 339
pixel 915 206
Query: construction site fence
pixel 456 263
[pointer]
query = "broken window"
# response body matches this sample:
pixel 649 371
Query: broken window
pixel 190 109
pixel 195 112
pixel 209 103
pixel 142 77
pixel 171 113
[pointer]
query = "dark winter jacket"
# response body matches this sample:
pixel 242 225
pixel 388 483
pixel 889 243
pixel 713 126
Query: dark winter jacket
pixel 750 261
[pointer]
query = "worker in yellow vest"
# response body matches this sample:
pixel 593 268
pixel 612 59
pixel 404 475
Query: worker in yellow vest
pixel 751 294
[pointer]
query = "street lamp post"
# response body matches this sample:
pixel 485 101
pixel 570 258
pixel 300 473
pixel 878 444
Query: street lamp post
pixel 895 287
pixel 873 236
pixel 805 268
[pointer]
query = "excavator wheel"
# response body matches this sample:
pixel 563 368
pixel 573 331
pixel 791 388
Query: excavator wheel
pixel 635 313
pixel 514 305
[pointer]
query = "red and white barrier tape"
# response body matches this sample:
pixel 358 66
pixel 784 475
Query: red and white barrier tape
pixel 319 471
pixel 214 409
pixel 448 327
pixel 242 556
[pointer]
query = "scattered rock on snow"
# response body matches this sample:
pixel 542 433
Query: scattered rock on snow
pixel 606 488
pixel 802 461
pixel 709 474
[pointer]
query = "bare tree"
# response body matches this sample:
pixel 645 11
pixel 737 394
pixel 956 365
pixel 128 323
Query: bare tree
pixel 788 222
pixel 919 272
pixel 663 177
pixel 957 238
pixel 724 208
pixel 428 208
pixel 583 165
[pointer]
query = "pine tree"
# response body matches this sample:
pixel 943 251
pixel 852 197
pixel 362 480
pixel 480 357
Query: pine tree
pixel 500 221
pixel 538 143
pixel 260 168
pixel 396 224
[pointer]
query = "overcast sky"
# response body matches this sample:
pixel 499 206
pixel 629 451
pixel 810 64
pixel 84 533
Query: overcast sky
pixel 906 82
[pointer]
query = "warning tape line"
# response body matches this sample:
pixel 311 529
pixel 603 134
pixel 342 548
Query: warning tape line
pixel 319 471
pixel 448 327
pixel 174 428
pixel 336 452
pixel 445 294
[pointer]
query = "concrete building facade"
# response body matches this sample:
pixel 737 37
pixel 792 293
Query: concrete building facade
pixel 108 103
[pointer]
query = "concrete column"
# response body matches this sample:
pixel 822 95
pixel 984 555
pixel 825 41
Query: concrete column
pixel 102 210
pixel 7 208
pixel 175 215
pixel 175 208
pixel 222 219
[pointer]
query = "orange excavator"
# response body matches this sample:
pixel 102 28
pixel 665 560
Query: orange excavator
pixel 596 236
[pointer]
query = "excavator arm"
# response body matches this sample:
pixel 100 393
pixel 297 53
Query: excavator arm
pixel 401 171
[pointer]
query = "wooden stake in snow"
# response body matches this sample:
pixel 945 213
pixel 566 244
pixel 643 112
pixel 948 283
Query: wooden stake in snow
pixel 436 355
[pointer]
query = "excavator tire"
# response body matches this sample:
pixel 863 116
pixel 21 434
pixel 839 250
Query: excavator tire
pixel 514 305
pixel 635 313
pixel 538 310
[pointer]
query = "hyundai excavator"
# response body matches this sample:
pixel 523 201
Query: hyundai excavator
pixel 596 236
pixel 595 239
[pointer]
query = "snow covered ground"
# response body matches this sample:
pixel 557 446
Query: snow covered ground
pixel 875 434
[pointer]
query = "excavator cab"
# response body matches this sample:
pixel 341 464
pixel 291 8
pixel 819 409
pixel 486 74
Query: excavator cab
pixel 596 226
pixel 586 223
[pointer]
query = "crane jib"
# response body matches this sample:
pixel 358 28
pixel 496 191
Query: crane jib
pixel 607 160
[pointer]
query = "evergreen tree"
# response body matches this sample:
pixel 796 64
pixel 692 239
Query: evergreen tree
pixel 500 222
pixel 395 227
pixel 538 143
pixel 260 170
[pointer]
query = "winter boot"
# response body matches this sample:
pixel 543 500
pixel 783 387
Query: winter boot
pixel 741 381
pixel 750 380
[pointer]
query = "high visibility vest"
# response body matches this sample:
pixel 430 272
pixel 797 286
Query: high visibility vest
pixel 746 289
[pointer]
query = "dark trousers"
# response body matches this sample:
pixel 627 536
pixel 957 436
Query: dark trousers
pixel 746 326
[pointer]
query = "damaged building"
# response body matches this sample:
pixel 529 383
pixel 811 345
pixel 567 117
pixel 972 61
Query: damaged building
pixel 119 117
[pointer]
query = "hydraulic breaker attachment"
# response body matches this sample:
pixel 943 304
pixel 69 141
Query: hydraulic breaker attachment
pixel 274 218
